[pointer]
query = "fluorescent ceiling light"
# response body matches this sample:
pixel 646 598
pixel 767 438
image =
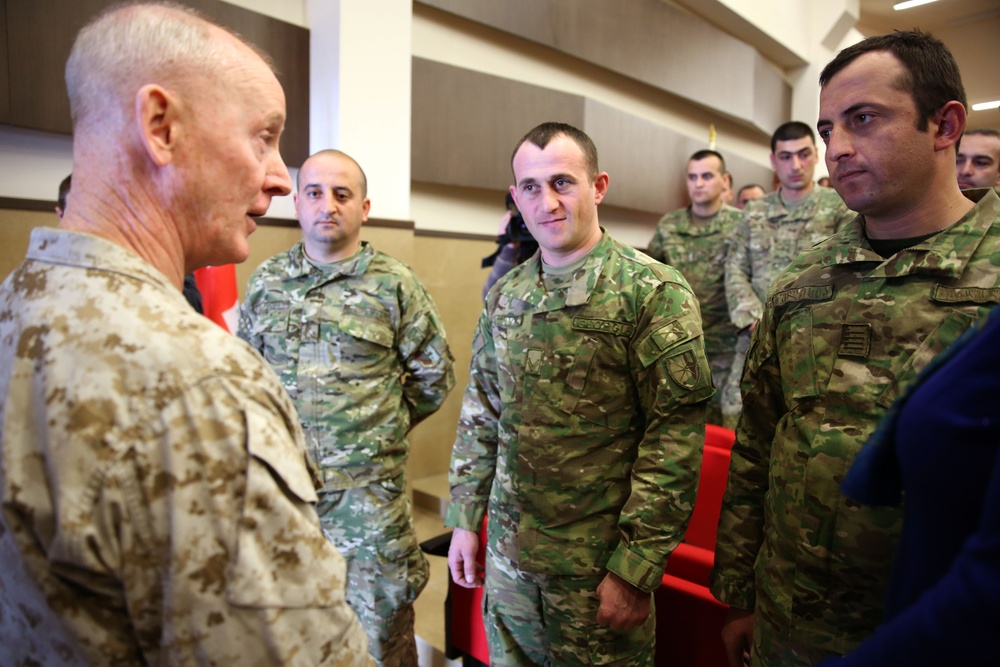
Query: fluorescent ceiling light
pixel 986 105
pixel 910 3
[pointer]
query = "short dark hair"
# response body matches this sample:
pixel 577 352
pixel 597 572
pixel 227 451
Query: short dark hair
pixel 932 78
pixel 542 134
pixel 793 129
pixel 747 187
pixel 706 152
pixel 64 191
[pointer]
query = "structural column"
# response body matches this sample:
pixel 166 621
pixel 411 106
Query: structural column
pixel 360 83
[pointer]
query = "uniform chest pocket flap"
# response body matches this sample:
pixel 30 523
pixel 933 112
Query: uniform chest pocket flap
pixel 584 390
pixel 280 551
pixel 361 324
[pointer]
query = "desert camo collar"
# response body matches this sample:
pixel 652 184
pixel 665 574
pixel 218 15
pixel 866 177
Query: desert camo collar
pixel 87 251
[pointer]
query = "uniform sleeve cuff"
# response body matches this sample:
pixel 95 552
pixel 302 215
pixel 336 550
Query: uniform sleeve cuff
pixel 634 569
pixel 743 320
pixel 733 592
pixel 468 517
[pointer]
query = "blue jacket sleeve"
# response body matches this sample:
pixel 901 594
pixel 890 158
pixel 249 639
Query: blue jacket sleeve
pixel 954 622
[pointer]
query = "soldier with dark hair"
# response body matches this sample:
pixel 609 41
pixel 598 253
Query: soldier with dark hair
pixel 64 187
pixel 695 240
pixel 581 428
pixel 979 159
pixel 772 231
pixel 747 194
pixel 846 328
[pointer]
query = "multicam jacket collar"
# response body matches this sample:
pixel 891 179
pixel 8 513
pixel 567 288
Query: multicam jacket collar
pixel 943 254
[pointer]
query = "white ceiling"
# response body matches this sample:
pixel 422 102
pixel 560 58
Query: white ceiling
pixel 970 29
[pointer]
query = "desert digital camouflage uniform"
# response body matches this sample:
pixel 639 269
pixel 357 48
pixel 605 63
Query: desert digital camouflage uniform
pixel 768 237
pixel 581 431
pixel 360 347
pixel 698 250
pixel 157 496
pixel 843 333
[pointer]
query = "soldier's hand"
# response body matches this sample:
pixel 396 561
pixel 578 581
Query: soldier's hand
pixel 623 606
pixel 465 571
pixel 737 636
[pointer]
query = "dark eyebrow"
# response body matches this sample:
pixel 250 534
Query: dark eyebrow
pixel 854 108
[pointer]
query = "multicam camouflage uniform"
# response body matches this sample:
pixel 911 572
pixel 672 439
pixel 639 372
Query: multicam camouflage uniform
pixel 360 347
pixel 157 498
pixel 581 429
pixel 698 249
pixel 843 333
pixel 769 236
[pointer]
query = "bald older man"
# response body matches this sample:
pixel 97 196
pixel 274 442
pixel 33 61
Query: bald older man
pixel 156 494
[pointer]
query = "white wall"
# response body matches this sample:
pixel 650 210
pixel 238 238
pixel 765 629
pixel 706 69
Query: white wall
pixel 360 71
pixel 289 11
pixel 32 164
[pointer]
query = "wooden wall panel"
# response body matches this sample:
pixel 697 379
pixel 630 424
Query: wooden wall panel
pixel 772 97
pixel 4 65
pixel 466 123
pixel 40 33
pixel 640 157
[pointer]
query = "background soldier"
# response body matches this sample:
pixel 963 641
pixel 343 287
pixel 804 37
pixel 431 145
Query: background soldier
pixel 979 159
pixel 359 344
pixel 581 428
pixel 774 229
pixel 747 194
pixel 695 241
pixel 846 328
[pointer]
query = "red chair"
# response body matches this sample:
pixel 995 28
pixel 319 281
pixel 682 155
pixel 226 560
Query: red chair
pixel 688 618
pixel 465 634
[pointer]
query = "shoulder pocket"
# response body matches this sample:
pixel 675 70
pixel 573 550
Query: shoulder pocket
pixel 282 558
pixel 665 338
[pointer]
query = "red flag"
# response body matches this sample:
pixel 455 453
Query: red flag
pixel 219 296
